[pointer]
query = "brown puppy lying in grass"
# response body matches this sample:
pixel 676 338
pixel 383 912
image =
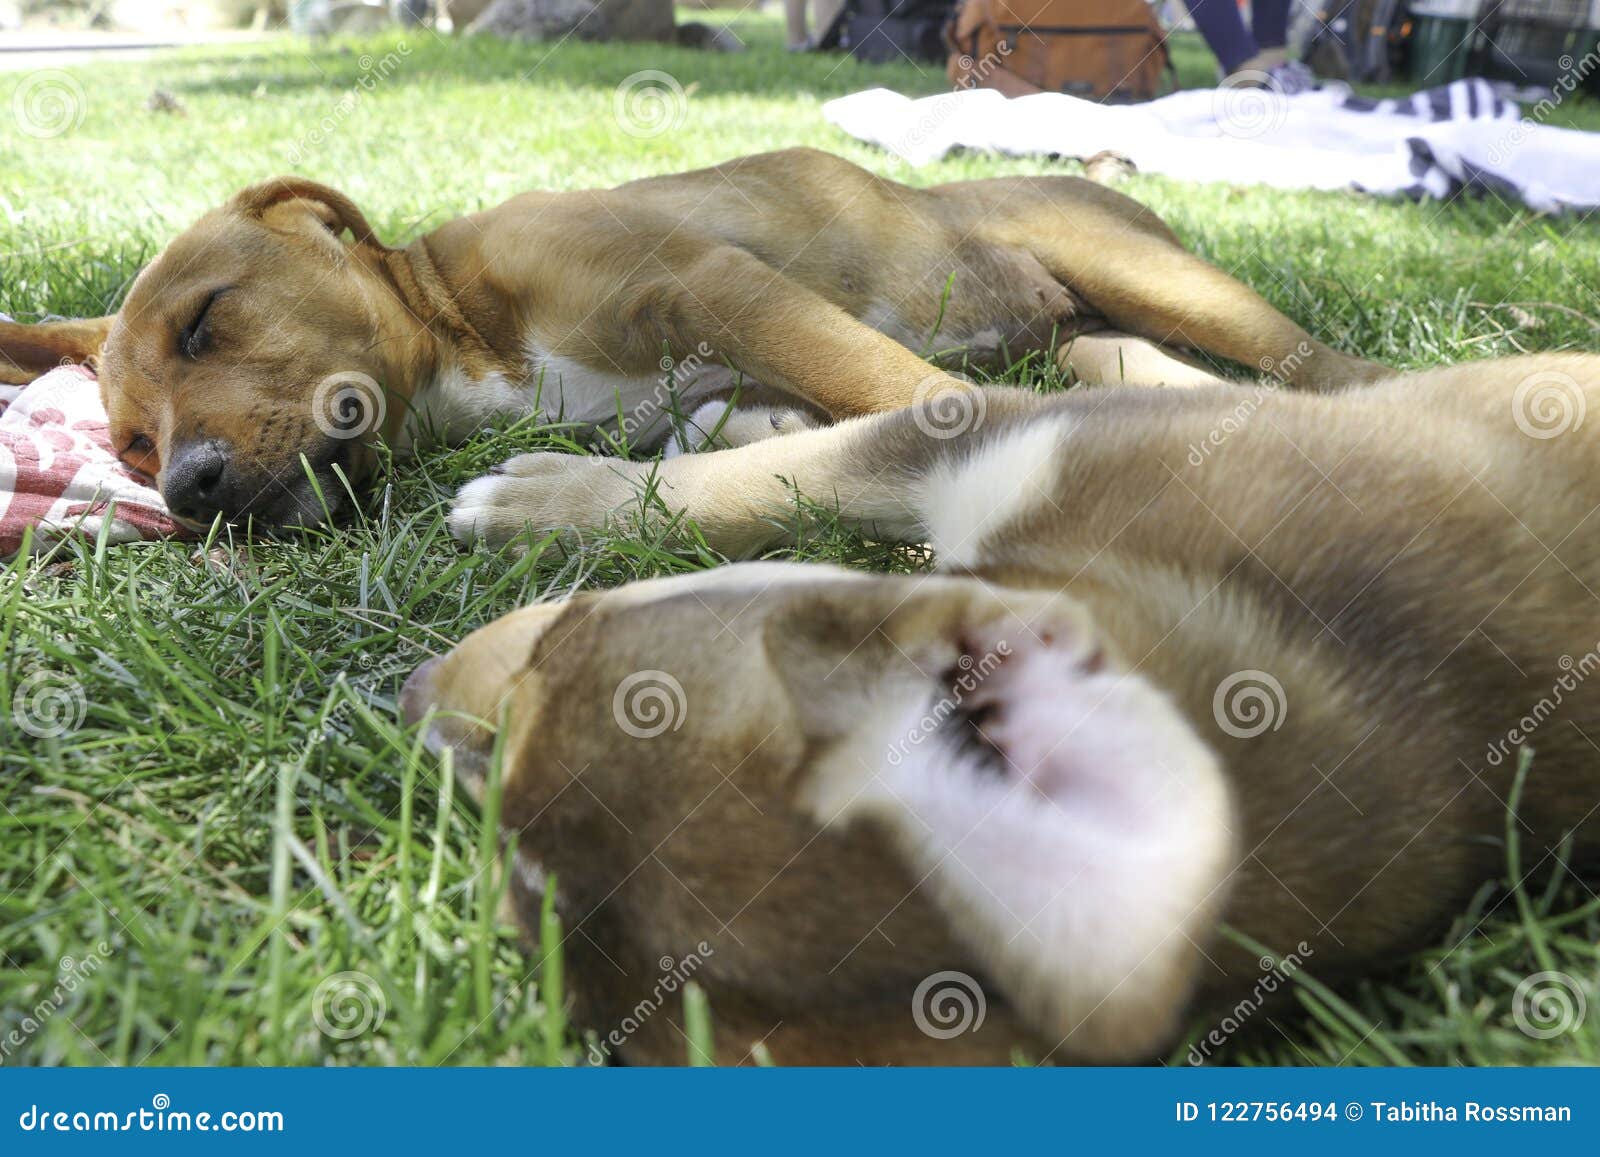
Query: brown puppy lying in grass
pixel 1191 659
pixel 259 362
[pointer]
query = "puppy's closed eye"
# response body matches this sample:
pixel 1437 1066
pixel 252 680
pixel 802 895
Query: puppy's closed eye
pixel 195 338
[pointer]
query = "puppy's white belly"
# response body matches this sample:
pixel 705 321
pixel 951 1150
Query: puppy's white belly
pixel 948 340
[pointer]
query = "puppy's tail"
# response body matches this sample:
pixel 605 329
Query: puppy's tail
pixel 29 351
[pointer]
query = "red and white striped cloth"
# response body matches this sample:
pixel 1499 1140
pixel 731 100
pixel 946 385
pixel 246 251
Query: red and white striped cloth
pixel 58 472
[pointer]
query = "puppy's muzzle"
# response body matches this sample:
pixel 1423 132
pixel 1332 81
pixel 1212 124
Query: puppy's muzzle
pixel 200 482
pixel 416 697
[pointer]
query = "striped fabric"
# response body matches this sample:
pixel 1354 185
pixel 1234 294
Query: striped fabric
pixel 58 473
pixel 1460 138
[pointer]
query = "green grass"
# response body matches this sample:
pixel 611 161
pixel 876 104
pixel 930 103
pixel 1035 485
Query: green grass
pixel 235 819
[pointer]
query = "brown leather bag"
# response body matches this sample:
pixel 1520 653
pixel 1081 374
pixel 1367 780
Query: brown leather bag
pixel 1099 49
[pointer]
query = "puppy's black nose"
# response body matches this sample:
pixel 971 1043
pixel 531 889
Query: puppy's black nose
pixel 197 484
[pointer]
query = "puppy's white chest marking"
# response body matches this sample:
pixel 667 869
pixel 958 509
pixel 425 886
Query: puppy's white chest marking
pixel 453 406
pixel 634 406
pixel 966 502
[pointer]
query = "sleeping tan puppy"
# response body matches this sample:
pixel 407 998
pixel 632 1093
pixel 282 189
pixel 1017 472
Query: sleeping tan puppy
pixel 1191 659
pixel 276 342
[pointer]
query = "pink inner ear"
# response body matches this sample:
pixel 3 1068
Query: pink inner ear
pixel 1082 860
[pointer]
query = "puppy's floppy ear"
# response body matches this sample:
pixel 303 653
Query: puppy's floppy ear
pixel 29 351
pixel 1064 816
pixel 295 203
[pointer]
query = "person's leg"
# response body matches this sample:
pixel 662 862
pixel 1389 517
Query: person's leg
pixel 794 18
pixel 1223 28
pixel 823 13
pixel 1269 20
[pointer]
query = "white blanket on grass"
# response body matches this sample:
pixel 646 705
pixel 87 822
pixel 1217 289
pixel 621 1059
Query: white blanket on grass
pixel 1436 143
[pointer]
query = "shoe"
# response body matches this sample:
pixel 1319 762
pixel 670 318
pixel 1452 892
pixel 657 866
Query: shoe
pixel 1272 68
pixel 1292 77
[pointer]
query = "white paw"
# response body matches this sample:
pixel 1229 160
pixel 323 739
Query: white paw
pixel 696 432
pixel 738 428
pixel 542 492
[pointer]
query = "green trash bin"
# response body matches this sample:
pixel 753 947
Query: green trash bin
pixel 1441 40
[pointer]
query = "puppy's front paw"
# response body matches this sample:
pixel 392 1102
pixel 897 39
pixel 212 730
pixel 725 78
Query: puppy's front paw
pixel 542 492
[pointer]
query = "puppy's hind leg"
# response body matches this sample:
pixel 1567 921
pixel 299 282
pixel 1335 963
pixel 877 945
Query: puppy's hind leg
pixel 1141 280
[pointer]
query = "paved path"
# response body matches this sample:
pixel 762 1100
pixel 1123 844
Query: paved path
pixel 26 51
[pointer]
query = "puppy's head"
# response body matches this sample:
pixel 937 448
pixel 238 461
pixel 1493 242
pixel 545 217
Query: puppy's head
pixel 253 357
pixel 886 819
